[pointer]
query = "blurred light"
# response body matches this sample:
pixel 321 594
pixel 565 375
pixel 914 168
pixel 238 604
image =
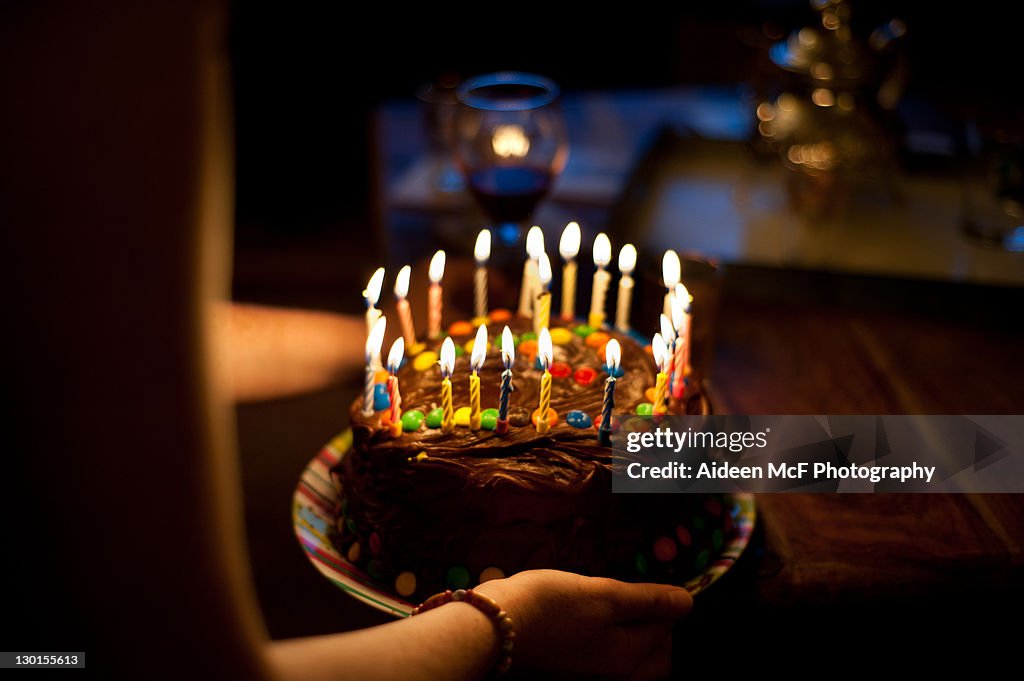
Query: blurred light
pixel 765 111
pixel 830 20
pixel 807 37
pixel 786 102
pixel 822 70
pixel 823 97
pixel 816 156
pixel 845 101
pixel 510 140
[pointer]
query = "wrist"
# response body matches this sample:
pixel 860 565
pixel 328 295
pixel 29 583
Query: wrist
pixel 500 622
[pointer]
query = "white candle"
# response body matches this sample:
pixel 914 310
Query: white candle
pixel 680 320
pixel 372 294
pixel 569 248
pixel 373 343
pixel 668 333
pixel 481 252
pixel 530 284
pixel 671 270
pixel 435 304
pixel 627 263
pixel 602 256
pixel 542 311
pixel 404 310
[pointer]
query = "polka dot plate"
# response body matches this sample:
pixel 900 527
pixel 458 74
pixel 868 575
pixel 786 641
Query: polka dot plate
pixel 313 515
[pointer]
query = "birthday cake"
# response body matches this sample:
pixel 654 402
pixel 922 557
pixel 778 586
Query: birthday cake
pixel 421 509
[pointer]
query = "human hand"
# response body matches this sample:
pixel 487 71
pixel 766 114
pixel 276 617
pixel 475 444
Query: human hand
pixel 570 625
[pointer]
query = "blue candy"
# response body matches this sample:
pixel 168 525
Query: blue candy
pixel 381 401
pixel 578 419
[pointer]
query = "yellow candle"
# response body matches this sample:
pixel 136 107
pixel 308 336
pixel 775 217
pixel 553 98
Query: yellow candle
pixel 661 359
pixel 477 361
pixel 534 247
pixel 544 351
pixel 542 316
pixel 602 256
pixel 627 263
pixel 569 247
pixel 447 363
pixel 481 252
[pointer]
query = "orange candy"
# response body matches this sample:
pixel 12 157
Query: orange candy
pixel 381 376
pixel 601 353
pixel 552 417
pixel 597 339
pixel 500 315
pixel 460 328
pixel 649 394
pixel 528 348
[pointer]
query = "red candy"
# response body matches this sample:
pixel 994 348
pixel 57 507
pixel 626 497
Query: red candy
pixel 616 423
pixel 585 375
pixel 665 549
pixel 683 535
pixel 560 370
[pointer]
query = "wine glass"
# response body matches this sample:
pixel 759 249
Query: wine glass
pixel 510 144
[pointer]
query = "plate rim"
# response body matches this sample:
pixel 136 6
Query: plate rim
pixel 313 515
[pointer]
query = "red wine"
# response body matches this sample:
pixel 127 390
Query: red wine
pixel 509 193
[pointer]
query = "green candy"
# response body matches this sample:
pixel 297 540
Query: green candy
pixel 459 351
pixel 583 330
pixel 527 335
pixel 645 409
pixel 412 420
pixel 702 560
pixel 488 419
pixel 457 577
pixel 641 563
pixel 716 540
pixel 375 568
pixel 435 417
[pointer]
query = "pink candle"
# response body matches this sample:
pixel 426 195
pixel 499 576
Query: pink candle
pixel 403 307
pixel 394 363
pixel 680 320
pixel 435 304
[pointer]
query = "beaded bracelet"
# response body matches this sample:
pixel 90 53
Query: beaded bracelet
pixel 487 605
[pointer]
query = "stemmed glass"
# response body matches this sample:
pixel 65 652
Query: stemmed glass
pixel 510 144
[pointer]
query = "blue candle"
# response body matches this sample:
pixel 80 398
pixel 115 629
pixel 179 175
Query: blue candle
pixel 508 356
pixel 612 355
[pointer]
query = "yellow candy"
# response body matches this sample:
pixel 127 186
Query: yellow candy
pixel 561 336
pixel 477 321
pixel 462 416
pixel 405 584
pixel 415 349
pixel 468 347
pixel 353 552
pixel 491 573
pixel 424 361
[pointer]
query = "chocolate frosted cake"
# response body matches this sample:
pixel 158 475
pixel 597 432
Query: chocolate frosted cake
pixel 430 510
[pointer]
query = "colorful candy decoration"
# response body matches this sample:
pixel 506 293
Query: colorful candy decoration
pixel 491 573
pixel 457 577
pixel 578 419
pixel 405 584
pixel 412 420
pixel 435 418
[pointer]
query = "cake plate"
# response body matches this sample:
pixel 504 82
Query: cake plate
pixel 313 518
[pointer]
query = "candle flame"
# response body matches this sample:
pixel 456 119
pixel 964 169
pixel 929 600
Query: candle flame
pixel 402 282
pixel 508 348
pixel 612 354
pixel 376 337
pixel 684 296
pixel 510 140
pixel 544 270
pixel 534 242
pixel 627 259
pixel 482 249
pixel 660 351
pixel 447 360
pixel 677 312
pixel 602 250
pixel 372 292
pixel 544 349
pixel 396 355
pixel 436 271
pixel 670 268
pixel 479 348
pixel 569 245
pixel 668 332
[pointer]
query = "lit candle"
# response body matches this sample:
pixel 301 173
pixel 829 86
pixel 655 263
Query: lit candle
pixel 481 252
pixel 661 359
pixel 447 364
pixel 670 272
pixel 373 343
pixel 687 332
pixel 404 310
pixel 476 362
pixel 542 313
pixel 534 247
pixel 668 332
pixel 602 256
pixel 627 263
pixel 394 362
pixel 613 355
pixel 544 351
pixel 569 248
pixel 680 321
pixel 508 358
pixel 436 272
pixel 372 294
